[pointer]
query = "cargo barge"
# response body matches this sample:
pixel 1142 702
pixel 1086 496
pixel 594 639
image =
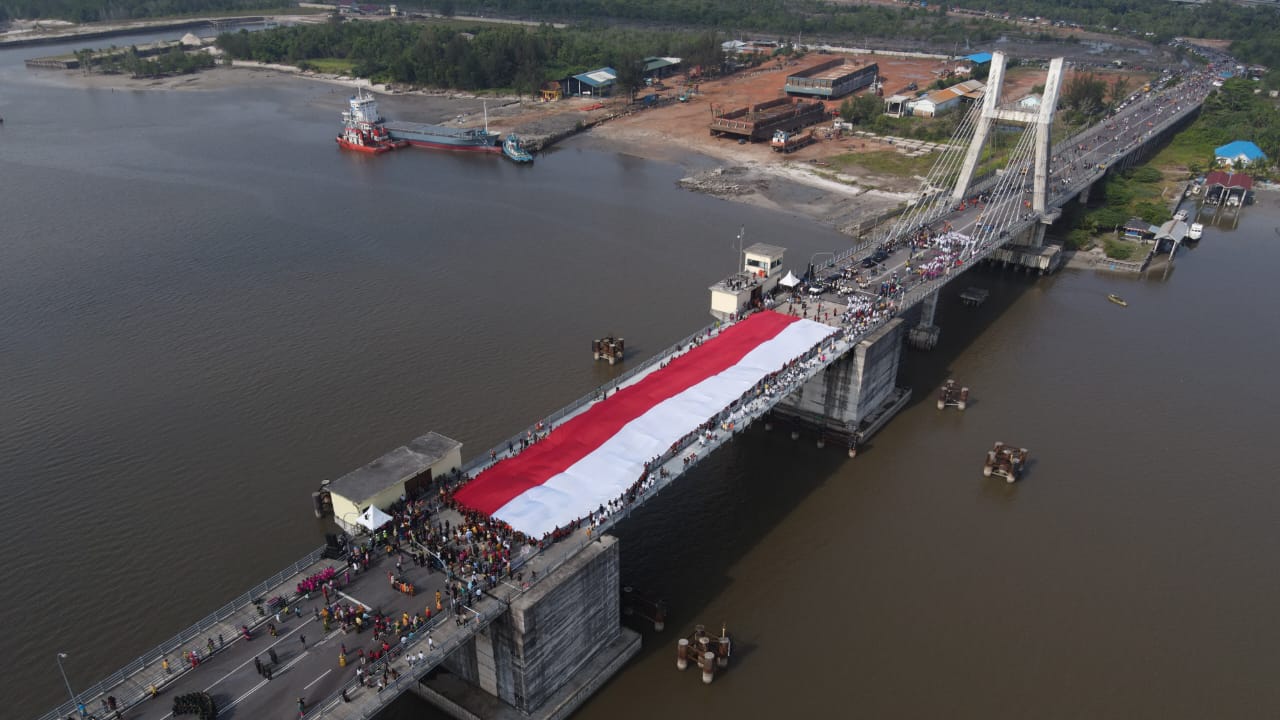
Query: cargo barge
pixel 442 137
pixel 762 120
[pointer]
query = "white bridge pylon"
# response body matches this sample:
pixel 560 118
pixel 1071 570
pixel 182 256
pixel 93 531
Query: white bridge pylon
pixel 991 113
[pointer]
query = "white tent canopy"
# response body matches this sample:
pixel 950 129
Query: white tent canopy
pixel 790 280
pixel 373 518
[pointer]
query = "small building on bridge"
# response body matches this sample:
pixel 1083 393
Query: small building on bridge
pixel 399 473
pixel 761 271
pixel 1239 154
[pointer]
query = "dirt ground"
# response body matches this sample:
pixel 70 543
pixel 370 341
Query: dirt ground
pixel 803 182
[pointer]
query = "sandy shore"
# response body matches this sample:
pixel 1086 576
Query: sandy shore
pixel 751 174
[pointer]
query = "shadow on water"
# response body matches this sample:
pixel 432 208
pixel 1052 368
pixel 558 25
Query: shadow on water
pixel 925 371
pixel 681 544
pixel 680 547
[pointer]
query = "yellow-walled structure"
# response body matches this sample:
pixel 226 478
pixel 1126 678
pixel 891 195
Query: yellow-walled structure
pixel 392 476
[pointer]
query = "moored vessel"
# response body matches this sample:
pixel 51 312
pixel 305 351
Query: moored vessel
pixel 353 138
pixel 442 137
pixel 362 128
pixel 1195 231
pixel 514 149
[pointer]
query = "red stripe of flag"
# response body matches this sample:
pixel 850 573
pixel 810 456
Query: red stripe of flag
pixel 579 436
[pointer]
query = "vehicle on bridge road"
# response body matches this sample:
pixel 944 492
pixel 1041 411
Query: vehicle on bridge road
pixel 876 258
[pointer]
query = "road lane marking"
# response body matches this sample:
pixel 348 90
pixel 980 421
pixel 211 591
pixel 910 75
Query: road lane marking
pixel 251 691
pixel 353 599
pixel 313 682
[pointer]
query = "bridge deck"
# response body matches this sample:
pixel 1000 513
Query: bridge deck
pixel 311 671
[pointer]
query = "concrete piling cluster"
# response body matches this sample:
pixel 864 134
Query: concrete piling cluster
pixel 710 653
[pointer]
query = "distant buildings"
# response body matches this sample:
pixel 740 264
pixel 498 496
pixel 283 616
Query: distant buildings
pixel 656 68
pixel 946 99
pixel 598 83
pixel 1030 102
pixel 1238 154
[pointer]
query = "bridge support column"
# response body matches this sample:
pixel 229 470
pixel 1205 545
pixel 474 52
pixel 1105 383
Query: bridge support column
pixel 551 648
pixel 1083 197
pixel 1035 235
pixel 856 394
pixel 924 336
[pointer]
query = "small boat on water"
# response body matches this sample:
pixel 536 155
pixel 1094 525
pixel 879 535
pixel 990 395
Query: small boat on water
pixel 514 150
pixel 1180 215
pixel 1117 300
pixel 1195 231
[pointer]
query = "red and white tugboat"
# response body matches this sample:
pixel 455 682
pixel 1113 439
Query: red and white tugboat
pixel 362 128
pixel 353 138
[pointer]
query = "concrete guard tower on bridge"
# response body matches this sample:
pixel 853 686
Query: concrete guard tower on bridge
pixel 925 334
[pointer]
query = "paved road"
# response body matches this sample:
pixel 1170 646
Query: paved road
pixel 1082 156
pixel 307 670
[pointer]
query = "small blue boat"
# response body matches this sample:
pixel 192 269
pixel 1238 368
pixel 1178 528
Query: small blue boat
pixel 513 149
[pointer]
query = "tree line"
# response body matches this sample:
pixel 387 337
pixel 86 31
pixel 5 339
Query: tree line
pixel 174 61
pixel 1253 29
pixel 82 11
pixel 463 57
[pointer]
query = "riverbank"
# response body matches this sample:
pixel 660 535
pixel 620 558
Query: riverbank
pixel 750 174
pixel 24 33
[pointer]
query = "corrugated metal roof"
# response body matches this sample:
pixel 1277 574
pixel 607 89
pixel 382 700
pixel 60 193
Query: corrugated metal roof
pixel 657 63
pixel 940 97
pixel 1229 180
pixel 1238 148
pixel 598 78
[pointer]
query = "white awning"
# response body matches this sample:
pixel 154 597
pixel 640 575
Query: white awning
pixel 373 518
pixel 790 280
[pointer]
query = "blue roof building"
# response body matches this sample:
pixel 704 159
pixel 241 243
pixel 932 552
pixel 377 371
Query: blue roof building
pixel 1240 153
pixel 596 82
pixel 979 58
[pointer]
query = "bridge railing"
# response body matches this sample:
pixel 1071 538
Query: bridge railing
pixel 152 658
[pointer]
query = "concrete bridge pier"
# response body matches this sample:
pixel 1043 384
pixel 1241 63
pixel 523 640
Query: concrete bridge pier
pixel 1083 197
pixel 551 648
pixel 856 394
pixel 924 336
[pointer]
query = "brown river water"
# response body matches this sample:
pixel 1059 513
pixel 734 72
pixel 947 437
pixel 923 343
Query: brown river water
pixel 206 309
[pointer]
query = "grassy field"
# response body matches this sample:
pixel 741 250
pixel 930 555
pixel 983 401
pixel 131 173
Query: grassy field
pixel 887 162
pixel 337 66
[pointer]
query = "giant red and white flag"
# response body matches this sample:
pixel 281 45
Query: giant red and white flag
pixel 595 456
